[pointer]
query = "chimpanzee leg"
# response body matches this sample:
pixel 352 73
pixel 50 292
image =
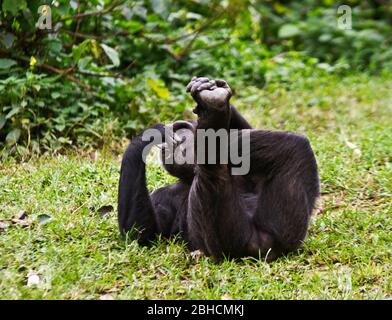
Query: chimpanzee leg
pixel 225 219
pixel 285 165
pixel 273 220
pixel 217 219
pixel 237 121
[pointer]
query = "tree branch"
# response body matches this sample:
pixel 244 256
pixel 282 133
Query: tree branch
pixel 196 34
pixel 63 72
pixel 197 30
pixel 94 13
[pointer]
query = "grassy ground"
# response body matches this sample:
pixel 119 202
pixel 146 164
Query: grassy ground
pixel 66 248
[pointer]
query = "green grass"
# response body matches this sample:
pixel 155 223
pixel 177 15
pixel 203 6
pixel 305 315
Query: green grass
pixel 346 255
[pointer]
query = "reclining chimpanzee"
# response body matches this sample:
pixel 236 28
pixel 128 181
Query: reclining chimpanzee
pixel 264 213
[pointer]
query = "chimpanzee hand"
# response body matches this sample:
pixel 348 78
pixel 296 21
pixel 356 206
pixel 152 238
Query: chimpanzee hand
pixel 210 93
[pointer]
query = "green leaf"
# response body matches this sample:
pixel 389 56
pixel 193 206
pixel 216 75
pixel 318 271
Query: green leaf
pixel 193 16
pixel 160 7
pixel 11 6
pixel 7 63
pixel 59 127
pixel 79 50
pixel 160 90
pixel 84 62
pixel 55 46
pixel 7 40
pixel 14 6
pixel 55 95
pixel 12 112
pixel 134 26
pixel 112 54
pixel 288 31
pixel 2 121
pixel 13 136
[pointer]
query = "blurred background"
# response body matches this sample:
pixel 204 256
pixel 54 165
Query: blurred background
pixel 97 71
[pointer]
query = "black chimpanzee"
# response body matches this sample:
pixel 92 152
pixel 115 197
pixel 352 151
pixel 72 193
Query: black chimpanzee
pixel 264 213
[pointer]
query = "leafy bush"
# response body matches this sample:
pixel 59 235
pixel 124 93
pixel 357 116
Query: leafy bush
pixel 366 46
pixel 107 69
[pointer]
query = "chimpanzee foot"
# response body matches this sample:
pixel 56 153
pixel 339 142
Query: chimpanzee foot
pixel 209 93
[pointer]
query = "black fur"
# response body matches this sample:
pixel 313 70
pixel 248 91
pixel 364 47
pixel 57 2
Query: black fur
pixel 263 214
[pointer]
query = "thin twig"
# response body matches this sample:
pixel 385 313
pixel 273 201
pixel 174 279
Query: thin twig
pixel 77 25
pixel 112 75
pixel 100 75
pixel 197 30
pixel 63 72
pixel 196 34
pixel 92 14
pixel 78 34
pixel 129 66
pixel 217 44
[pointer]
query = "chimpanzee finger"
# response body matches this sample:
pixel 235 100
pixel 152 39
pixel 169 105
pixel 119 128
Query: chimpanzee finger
pixel 189 85
pixel 205 86
pixel 194 87
pixel 198 83
pixel 203 79
pixel 194 81
pixel 214 86
pixel 221 83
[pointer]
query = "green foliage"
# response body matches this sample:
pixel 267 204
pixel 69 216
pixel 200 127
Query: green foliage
pixel 366 46
pixel 107 69
pixel 39 106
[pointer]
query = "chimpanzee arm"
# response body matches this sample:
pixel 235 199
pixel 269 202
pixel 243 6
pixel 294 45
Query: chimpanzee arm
pixel 134 204
pixel 163 211
pixel 237 121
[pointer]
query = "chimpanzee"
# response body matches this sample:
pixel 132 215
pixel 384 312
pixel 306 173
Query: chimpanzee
pixel 264 213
